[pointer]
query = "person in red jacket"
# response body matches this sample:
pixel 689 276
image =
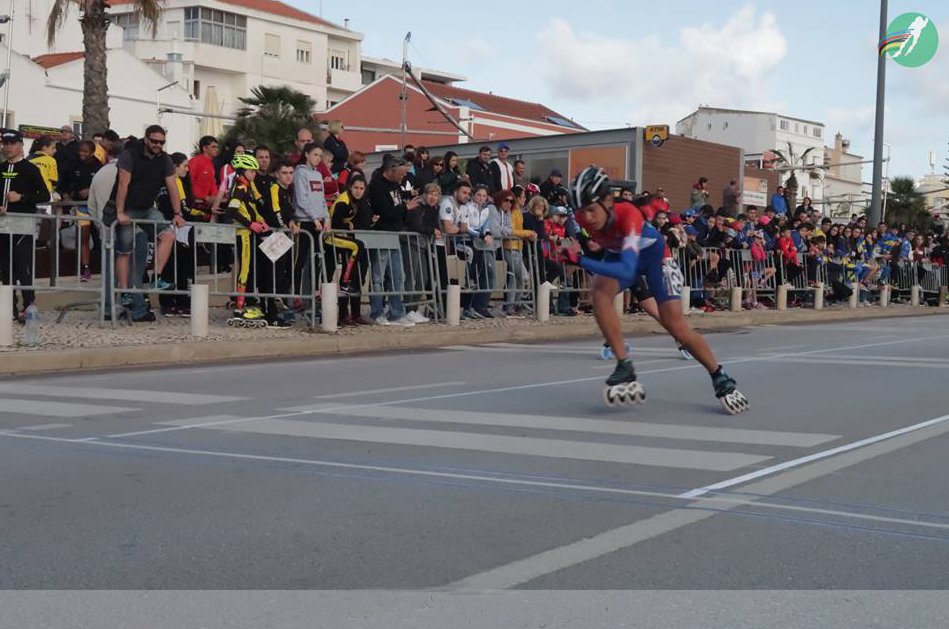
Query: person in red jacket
pixel 201 173
pixel 788 253
pixel 330 185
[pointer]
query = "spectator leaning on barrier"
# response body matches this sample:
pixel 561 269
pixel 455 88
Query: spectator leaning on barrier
pixel 450 211
pixel 416 251
pixel 513 236
pixel 479 170
pixel 144 168
pixel 24 187
pixel 275 207
pixel 67 149
pixel 181 272
pixel 312 216
pixel 351 213
pixel 76 189
pixel 502 172
pixel 388 204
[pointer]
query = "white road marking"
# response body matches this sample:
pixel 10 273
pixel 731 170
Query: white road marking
pixel 124 395
pixel 215 420
pixel 780 467
pixel 366 392
pixel 45 427
pixel 858 363
pixel 584 550
pixel 42 408
pixel 598 426
pixel 523 446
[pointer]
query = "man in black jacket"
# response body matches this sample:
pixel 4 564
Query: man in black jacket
pixel 23 188
pixel 479 170
pixel 390 201
pixel 417 252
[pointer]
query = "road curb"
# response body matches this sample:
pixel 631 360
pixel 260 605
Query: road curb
pixel 321 345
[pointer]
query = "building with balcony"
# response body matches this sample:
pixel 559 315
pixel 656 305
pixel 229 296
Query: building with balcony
pixel 843 179
pixel 759 133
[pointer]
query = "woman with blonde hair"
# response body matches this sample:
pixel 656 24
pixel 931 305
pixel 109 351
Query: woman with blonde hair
pixel 334 144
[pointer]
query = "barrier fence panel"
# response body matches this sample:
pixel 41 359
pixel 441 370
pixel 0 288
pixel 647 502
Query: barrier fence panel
pixel 395 271
pixel 174 255
pixel 53 253
pixel 571 283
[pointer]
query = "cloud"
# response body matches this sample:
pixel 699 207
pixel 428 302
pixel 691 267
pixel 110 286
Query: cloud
pixel 663 78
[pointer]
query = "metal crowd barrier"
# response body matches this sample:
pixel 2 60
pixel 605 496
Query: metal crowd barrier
pixel 32 250
pixel 498 272
pixel 195 240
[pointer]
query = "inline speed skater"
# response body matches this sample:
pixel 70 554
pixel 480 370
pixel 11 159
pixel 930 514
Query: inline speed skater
pixel 648 303
pixel 631 249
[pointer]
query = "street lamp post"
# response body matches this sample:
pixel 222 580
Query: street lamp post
pixel 7 19
pixel 876 209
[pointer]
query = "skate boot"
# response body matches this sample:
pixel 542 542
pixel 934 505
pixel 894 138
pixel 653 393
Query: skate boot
pixel 249 317
pixel 685 353
pixel 606 352
pixel 732 400
pixel 622 387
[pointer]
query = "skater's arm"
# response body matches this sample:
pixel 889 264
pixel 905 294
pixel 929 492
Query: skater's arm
pixel 623 269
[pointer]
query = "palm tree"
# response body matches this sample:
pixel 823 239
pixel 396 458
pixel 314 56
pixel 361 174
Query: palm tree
pixel 94 19
pixel 906 206
pixel 794 164
pixel 271 116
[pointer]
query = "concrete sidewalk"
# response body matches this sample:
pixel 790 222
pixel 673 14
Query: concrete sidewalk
pixel 85 346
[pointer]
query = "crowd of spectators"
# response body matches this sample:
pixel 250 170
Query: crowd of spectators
pixel 477 217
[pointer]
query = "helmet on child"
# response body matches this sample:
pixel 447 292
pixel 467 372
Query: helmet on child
pixel 243 161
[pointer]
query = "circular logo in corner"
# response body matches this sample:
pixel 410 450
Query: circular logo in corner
pixel 911 40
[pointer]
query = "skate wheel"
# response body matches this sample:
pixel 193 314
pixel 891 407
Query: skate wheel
pixel 629 348
pixel 231 323
pixel 261 324
pixel 735 403
pixel 630 393
pixel 606 353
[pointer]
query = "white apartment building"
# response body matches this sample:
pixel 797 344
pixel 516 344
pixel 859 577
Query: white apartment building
pixel 758 133
pixel 843 179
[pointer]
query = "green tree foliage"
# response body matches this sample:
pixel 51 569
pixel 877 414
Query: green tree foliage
pixel 272 116
pixel 905 205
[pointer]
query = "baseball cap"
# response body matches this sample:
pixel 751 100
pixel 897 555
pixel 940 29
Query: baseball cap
pixel 559 210
pixel 764 220
pixel 690 213
pixel 556 173
pixel 10 136
pixel 503 147
pixel 691 231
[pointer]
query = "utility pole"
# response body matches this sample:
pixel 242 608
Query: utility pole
pixel 404 94
pixel 8 19
pixel 876 207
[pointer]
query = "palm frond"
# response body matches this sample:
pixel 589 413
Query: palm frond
pixel 57 17
pixel 149 11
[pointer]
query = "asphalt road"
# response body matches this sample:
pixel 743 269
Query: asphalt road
pixel 497 467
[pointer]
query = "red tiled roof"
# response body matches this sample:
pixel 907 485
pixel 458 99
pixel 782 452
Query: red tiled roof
pixel 57 59
pixel 274 7
pixel 496 104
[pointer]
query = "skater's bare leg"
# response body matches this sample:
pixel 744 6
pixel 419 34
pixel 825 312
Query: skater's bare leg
pixel 672 319
pixel 604 290
pixel 651 308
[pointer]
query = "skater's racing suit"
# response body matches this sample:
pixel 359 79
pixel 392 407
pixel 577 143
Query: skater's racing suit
pixel 633 250
pixel 242 208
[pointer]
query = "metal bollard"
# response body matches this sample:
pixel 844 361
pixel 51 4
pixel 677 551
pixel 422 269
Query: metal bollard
pixel 943 294
pixel 453 307
pixel 199 310
pixel 781 299
pixel 916 295
pixel 543 302
pixel 736 299
pixel 884 296
pixel 329 308
pixel 686 297
pixel 854 295
pixel 819 296
pixel 6 311
pixel 618 304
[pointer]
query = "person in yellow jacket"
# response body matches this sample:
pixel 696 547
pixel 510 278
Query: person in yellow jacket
pixel 242 208
pixel 42 155
pixel 513 236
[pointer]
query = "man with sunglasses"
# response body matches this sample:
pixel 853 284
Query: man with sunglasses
pixel 144 168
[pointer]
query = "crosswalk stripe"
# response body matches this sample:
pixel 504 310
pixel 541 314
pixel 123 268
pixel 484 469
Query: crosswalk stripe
pixel 535 349
pixel 525 446
pixel 598 426
pixel 124 395
pixel 863 362
pixel 43 408
pixel 365 392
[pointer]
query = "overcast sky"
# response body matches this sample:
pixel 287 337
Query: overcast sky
pixel 608 64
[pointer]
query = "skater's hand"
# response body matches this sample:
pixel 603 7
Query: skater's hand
pixel 571 246
pixel 122 218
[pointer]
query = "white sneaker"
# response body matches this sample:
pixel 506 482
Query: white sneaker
pixel 417 317
pixel 381 320
pixel 404 322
